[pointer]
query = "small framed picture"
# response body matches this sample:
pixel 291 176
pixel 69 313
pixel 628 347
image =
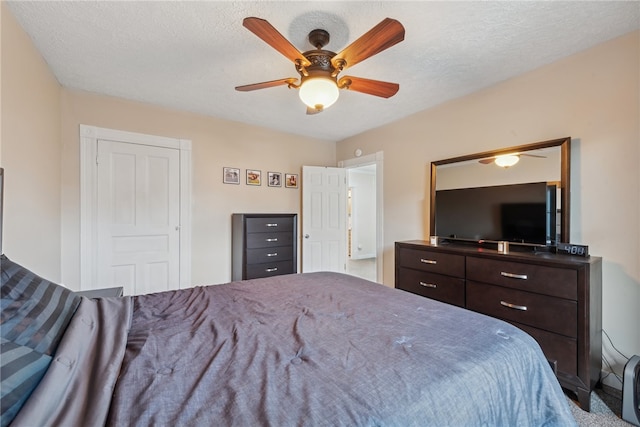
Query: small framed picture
pixel 254 177
pixel 291 180
pixel 231 175
pixel 274 179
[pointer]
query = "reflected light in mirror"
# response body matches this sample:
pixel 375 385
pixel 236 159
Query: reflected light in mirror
pixel 507 160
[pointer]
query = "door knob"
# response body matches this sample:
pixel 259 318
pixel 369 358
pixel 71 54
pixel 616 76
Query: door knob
pixel 306 236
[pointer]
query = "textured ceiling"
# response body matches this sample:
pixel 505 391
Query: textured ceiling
pixel 191 55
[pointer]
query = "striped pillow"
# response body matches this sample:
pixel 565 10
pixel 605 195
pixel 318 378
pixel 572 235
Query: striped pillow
pixel 34 312
pixel 22 369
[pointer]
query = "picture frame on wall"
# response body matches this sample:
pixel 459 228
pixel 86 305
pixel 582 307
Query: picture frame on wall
pixel 291 180
pixel 231 175
pixel 274 179
pixel 254 177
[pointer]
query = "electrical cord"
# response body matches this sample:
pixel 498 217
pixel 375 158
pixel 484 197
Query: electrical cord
pixel 611 371
pixel 614 347
pixel 606 361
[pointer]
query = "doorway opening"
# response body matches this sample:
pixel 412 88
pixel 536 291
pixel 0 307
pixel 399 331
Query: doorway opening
pixel 364 216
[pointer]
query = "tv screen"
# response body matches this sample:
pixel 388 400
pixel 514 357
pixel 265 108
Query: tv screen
pixel 521 213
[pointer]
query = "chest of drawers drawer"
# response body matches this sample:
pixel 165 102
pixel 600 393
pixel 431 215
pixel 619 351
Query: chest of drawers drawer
pixel 255 271
pixel 433 262
pixel 269 224
pixel 269 240
pixel 262 255
pixel 559 282
pixel 551 314
pixel 435 286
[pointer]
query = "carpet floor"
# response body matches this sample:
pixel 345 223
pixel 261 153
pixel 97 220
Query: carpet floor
pixel 606 409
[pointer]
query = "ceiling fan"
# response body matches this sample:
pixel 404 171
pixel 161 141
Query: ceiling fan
pixel 507 160
pixel 319 83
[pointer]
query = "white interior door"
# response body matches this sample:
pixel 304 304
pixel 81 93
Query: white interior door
pixel 138 217
pixel 324 218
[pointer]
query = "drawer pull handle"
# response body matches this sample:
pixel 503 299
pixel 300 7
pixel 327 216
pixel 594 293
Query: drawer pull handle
pixel 273 254
pixel 271 270
pixel 428 261
pixel 514 306
pixel 513 276
pixel 275 239
pixel 273 224
pixel 428 285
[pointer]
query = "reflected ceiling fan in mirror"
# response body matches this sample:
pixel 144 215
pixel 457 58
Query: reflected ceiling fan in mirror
pixel 319 84
pixel 507 160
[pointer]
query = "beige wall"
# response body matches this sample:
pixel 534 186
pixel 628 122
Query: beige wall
pixel 594 97
pixel 215 144
pixel 30 153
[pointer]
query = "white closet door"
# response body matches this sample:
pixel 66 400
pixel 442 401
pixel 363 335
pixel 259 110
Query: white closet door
pixel 138 217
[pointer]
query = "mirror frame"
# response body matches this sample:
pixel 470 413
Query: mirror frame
pixel 565 164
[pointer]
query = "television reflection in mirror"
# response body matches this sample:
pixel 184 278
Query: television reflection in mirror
pixel 518 213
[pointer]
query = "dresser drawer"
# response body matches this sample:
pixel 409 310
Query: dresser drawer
pixel 559 282
pixel 548 313
pixel 433 262
pixel 435 286
pixel 559 349
pixel 255 271
pixel 269 224
pixel 269 240
pixel 262 255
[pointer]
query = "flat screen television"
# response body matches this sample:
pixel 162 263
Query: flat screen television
pixel 518 213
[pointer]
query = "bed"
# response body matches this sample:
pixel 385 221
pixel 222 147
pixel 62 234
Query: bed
pixel 313 349
pixel 307 349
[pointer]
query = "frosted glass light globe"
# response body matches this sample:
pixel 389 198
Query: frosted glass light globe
pixel 319 93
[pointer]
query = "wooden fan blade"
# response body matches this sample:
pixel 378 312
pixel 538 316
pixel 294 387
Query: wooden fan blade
pixel 264 85
pixel 368 86
pixel 384 35
pixel 273 38
pixel 487 161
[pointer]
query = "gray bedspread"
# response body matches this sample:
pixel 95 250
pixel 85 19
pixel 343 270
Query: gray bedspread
pixel 318 349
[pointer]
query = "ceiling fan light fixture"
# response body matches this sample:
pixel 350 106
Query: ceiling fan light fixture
pixel 319 92
pixel 507 160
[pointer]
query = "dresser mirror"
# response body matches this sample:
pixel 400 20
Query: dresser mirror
pixel 542 162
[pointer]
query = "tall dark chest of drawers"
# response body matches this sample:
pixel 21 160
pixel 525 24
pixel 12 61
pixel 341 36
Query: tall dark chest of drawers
pixel 557 299
pixel 263 245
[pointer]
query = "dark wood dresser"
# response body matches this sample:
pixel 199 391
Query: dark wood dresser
pixel 263 245
pixel 557 299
